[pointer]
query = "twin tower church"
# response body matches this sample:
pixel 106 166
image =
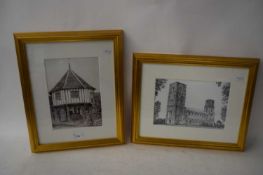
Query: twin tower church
pixel 74 102
pixel 178 114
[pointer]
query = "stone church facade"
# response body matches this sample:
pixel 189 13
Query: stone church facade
pixel 179 114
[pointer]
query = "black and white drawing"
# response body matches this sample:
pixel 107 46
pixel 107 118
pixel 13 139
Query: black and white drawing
pixel 74 96
pixel 191 103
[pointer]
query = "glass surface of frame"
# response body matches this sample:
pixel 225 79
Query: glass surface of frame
pixel 192 101
pixel 72 88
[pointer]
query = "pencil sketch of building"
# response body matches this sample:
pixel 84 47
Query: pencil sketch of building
pixel 177 113
pixel 74 102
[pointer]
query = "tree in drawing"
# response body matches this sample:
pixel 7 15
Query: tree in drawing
pixel 159 84
pixel 225 95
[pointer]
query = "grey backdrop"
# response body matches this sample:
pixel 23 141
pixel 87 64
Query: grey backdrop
pixel 201 27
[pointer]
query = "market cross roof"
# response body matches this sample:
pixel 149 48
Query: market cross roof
pixel 70 80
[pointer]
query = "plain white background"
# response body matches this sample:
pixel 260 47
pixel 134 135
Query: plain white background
pixel 200 27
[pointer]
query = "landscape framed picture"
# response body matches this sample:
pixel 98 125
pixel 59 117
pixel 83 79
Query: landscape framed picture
pixel 72 87
pixel 192 101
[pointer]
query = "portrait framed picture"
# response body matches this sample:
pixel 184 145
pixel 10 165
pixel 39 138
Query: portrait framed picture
pixel 72 87
pixel 192 101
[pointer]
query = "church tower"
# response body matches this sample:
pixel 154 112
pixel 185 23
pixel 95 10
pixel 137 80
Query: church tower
pixel 209 107
pixel 176 103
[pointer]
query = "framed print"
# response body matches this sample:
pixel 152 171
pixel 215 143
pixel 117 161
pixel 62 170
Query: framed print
pixel 192 101
pixel 72 87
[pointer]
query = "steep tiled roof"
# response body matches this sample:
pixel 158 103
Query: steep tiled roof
pixel 70 80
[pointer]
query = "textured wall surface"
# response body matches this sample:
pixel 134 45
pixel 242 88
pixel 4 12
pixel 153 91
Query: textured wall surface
pixel 204 27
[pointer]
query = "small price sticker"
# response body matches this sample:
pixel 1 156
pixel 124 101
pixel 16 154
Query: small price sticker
pixel 240 78
pixel 77 135
pixel 107 51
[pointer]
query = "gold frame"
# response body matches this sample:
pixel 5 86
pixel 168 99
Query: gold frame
pixel 140 58
pixel 22 39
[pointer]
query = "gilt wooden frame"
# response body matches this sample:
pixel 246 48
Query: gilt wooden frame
pixel 141 59
pixel 21 41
